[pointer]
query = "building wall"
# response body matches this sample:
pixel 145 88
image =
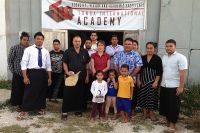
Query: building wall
pixel 21 15
pixel 3 52
pixel 180 20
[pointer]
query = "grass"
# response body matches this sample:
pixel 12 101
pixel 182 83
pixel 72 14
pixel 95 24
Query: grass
pixel 6 104
pixel 5 84
pixel 14 129
pixel 191 99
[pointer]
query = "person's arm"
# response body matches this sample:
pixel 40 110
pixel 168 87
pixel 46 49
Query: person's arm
pixel 87 74
pixel 131 89
pixel 92 90
pixel 138 81
pixel 183 74
pixel 131 96
pixel 183 66
pixel 48 64
pixel 135 71
pixel 24 64
pixel 115 84
pixel 49 78
pixel 11 57
pixel 108 66
pixel 66 70
pixel 105 89
pixel 116 68
pixel 93 68
pixel 155 83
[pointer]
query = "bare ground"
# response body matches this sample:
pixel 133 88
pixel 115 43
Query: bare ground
pixel 52 123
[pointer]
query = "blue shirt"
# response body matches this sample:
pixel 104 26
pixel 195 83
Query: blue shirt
pixel 111 90
pixel 132 58
pixel 112 51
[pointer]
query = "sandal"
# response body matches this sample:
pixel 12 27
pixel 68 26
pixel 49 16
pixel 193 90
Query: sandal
pixel 18 109
pixel 64 116
pixel 22 115
pixel 41 112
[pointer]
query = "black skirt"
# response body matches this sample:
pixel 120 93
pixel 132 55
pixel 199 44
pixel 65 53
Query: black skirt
pixel 35 92
pixel 17 90
pixel 74 97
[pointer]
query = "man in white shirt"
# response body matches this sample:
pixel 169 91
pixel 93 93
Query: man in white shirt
pixel 174 75
pixel 34 65
pixel 94 38
pixel 113 49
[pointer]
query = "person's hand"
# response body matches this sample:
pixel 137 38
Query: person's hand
pixel 131 98
pixel 26 81
pixel 70 73
pixel 87 79
pixel 179 91
pixel 108 80
pixel 113 80
pixel 139 83
pixel 155 85
pixel 49 81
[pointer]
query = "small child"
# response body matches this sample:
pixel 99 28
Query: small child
pixel 98 89
pixel 125 92
pixel 112 92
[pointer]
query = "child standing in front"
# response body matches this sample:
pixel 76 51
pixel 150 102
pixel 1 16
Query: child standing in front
pixel 98 89
pixel 125 93
pixel 112 92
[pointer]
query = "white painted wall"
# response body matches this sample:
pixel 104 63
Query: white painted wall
pixel 180 20
pixel 3 46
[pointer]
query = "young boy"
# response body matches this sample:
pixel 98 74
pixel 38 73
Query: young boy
pixel 57 70
pixel 125 92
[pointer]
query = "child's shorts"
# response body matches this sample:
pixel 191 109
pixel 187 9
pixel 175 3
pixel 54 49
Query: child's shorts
pixel 124 104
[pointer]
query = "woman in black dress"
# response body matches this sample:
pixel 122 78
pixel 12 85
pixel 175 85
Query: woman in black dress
pixel 148 81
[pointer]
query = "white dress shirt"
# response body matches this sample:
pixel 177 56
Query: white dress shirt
pixel 171 66
pixel 99 89
pixel 30 59
pixel 113 51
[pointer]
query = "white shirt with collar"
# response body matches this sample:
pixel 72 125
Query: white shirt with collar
pixel 99 89
pixel 30 59
pixel 171 66
pixel 113 51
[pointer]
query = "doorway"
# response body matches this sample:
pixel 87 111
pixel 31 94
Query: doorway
pixel 102 35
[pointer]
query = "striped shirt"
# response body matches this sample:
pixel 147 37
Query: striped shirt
pixel 14 59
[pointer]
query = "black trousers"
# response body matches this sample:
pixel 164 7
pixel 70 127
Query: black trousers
pixel 35 92
pixel 169 104
pixel 17 90
pixel 74 97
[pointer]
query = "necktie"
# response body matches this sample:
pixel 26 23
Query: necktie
pixel 39 57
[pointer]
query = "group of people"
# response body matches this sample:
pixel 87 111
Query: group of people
pixel 115 75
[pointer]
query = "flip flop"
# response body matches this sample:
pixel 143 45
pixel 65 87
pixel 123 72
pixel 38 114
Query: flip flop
pixel 22 115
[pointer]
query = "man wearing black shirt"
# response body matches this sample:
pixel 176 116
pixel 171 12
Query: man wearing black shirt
pixel 75 59
pixel 56 56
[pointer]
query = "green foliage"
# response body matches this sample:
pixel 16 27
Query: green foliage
pixel 14 129
pixel 5 84
pixel 191 99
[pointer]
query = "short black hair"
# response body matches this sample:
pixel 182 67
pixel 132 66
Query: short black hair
pixel 128 39
pixel 99 71
pixel 24 34
pixel 125 66
pixel 56 40
pixel 136 42
pixel 38 34
pixel 152 43
pixel 76 36
pixel 93 32
pixel 102 42
pixel 171 41
pixel 114 36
